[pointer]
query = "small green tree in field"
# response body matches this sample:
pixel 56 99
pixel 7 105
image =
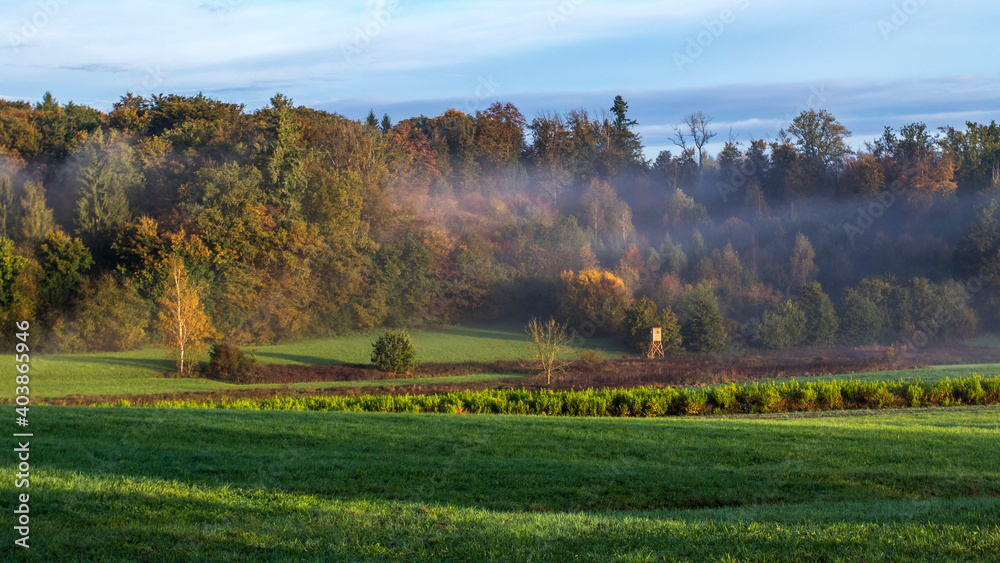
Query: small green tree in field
pixel 549 339
pixel 393 352
pixel 228 363
pixel 783 326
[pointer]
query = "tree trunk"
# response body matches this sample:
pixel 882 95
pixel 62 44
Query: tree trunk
pixel 180 318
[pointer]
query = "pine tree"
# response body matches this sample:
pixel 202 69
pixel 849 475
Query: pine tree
pixel 36 219
pixel 65 263
pixel 671 333
pixel 625 142
pixel 821 318
pixel 704 330
pixel 281 158
pixel 6 205
pixel 105 185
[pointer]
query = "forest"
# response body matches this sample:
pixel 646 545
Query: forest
pixel 289 222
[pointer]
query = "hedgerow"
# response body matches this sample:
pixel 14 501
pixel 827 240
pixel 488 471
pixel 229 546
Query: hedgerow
pixel 649 401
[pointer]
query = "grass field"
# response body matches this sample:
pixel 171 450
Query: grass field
pixel 930 374
pixel 184 485
pixel 142 371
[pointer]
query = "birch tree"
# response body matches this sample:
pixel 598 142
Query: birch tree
pixel 183 322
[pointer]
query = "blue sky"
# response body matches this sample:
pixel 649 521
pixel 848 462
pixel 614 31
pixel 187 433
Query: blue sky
pixel 752 64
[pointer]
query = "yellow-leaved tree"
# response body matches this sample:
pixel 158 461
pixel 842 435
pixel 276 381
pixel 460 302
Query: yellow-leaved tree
pixel 183 322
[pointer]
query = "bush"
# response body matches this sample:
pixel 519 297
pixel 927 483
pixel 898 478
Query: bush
pixel 393 352
pixel 891 354
pixel 592 359
pixel 783 326
pixel 228 363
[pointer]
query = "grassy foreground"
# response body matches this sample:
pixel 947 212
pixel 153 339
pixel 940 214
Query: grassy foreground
pixel 195 485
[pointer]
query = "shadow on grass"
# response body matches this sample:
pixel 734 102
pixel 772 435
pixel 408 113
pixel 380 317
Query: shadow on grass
pixel 481 332
pixel 507 463
pixel 144 527
pixel 164 365
pixel 298 358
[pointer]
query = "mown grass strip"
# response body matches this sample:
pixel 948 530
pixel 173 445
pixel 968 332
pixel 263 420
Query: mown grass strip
pixel 647 402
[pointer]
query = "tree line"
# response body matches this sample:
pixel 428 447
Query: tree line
pixel 287 221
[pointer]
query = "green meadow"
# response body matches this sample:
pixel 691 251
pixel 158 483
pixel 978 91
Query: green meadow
pixel 114 484
pixel 144 371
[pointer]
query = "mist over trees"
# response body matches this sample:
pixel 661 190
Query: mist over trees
pixel 295 222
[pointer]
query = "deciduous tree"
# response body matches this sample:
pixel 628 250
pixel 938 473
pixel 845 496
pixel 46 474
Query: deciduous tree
pixel 183 323
pixel 550 340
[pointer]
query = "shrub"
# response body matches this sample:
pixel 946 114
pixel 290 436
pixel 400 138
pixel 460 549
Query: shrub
pixel 228 363
pixel 878 395
pixel 861 322
pixel 693 402
pixel 749 398
pixel 798 396
pixel 891 354
pixel 592 359
pixel 992 390
pixel 969 390
pixel 783 326
pixel 758 398
pixel 393 352
pixel 829 394
pixel 724 396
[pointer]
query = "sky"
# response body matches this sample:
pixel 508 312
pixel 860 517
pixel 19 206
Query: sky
pixel 753 65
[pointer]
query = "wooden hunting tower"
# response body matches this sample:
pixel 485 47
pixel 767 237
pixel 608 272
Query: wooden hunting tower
pixel 655 343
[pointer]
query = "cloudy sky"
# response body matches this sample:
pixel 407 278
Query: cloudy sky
pixel 752 64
